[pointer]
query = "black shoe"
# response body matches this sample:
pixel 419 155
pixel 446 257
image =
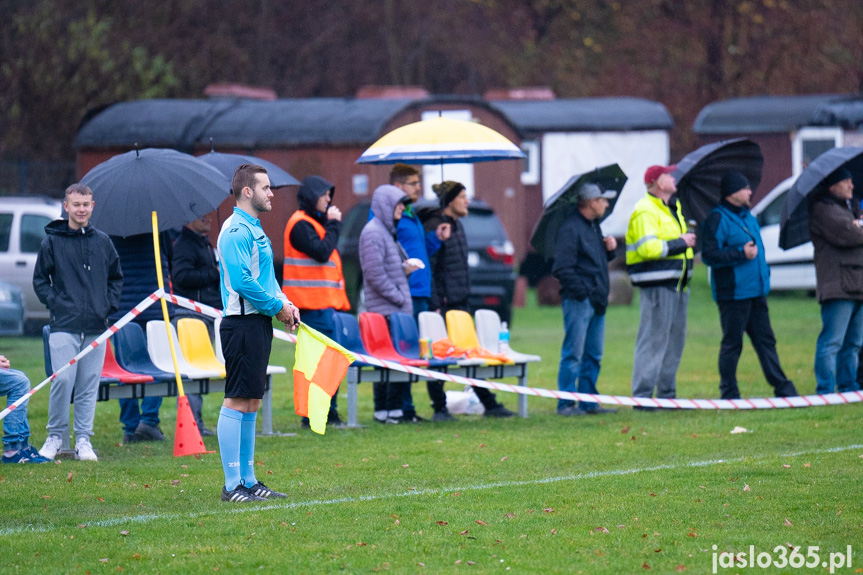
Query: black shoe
pixel 147 432
pixel 304 423
pixel 442 416
pixel 787 390
pixel 413 418
pixel 600 410
pixel 498 411
pixel 570 411
pixel 262 490
pixel 334 419
pixel 645 408
pixel 240 494
pixel 206 432
pixel 130 438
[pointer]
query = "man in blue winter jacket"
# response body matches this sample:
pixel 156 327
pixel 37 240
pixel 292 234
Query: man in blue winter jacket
pixel 740 281
pixel 419 244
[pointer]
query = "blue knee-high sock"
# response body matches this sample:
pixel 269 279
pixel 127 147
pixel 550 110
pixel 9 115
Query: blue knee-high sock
pixel 229 430
pixel 247 449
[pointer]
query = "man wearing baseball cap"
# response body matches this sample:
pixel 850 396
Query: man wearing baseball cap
pixel 581 256
pixel 659 260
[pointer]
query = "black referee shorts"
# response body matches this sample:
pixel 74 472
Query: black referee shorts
pixel 246 344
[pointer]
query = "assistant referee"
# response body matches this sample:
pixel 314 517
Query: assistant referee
pixel 251 298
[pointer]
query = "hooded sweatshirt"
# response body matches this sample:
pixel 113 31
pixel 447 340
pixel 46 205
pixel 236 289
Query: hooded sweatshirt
pixel 384 281
pixel 303 236
pixel 78 278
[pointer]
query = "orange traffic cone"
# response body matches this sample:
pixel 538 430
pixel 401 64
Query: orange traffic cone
pixel 187 438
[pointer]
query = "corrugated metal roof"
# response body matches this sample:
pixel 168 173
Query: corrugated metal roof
pixel 254 124
pixel 847 113
pixel 239 123
pixel 586 114
pixel 759 114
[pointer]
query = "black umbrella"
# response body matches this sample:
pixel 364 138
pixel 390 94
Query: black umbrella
pixel 559 206
pixel 129 187
pixel 699 173
pixel 794 225
pixel 227 163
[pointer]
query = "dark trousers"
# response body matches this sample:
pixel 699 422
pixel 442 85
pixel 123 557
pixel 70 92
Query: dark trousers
pixel 435 388
pixel 750 316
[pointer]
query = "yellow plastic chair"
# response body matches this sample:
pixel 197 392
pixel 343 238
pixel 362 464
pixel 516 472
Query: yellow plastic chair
pixel 195 345
pixel 461 330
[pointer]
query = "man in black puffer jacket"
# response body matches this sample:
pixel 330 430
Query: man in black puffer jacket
pixel 451 285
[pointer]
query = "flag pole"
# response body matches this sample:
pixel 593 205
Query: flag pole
pixel 157 252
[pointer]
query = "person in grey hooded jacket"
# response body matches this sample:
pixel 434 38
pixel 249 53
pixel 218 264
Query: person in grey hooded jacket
pixel 385 281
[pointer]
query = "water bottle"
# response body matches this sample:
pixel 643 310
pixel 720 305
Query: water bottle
pixel 503 338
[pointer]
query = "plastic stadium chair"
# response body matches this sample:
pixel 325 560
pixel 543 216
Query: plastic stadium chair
pixel 405 336
pixel 432 326
pixel 347 334
pixel 462 333
pixel 130 350
pixel 195 344
pixel 160 353
pixel 46 355
pixel 112 369
pixel 220 357
pixel 488 334
pixel 376 337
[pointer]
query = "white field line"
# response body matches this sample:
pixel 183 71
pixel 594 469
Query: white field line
pixel 430 491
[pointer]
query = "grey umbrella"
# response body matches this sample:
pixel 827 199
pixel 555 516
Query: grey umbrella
pixel 129 187
pixel 794 225
pixel 227 163
pixel 559 206
pixel 699 173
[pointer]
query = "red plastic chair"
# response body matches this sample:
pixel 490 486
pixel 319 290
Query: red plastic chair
pixel 376 338
pixel 112 369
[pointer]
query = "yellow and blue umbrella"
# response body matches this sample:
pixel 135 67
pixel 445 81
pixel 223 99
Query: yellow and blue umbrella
pixel 441 141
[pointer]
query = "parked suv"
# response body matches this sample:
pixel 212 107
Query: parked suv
pixel 490 256
pixel 22 227
pixel 792 269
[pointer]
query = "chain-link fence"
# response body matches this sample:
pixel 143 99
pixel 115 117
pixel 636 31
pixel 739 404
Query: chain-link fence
pixel 35 178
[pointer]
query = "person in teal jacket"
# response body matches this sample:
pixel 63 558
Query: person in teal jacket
pixel 740 279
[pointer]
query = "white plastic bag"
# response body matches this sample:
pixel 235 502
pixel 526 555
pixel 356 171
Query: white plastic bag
pixel 464 402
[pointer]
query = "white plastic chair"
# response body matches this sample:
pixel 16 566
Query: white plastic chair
pixel 271 369
pixel 432 327
pixel 160 353
pixel 488 332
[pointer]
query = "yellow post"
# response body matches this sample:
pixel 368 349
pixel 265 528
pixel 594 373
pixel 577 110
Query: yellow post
pixel 157 253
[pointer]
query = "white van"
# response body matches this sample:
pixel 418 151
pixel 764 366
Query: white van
pixel 22 227
pixel 792 269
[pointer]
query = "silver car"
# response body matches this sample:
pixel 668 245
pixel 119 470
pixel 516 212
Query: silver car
pixel 11 310
pixel 22 227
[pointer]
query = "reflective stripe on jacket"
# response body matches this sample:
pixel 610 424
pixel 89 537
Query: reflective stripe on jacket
pixel 308 283
pixel 655 254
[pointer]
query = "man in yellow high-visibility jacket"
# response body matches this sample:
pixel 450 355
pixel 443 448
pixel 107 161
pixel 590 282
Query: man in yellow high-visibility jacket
pixel 659 260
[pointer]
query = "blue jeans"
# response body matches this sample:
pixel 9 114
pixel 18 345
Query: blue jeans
pixel 131 416
pixel 581 352
pixel 323 321
pixel 16 430
pixel 838 347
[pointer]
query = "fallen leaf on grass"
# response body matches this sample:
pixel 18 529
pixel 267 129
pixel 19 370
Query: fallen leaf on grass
pixel 504 458
pixel 81 526
pixel 548 510
pixel 184 466
pixel 509 515
pixel 807 465
pixel 645 565
pixel 786 466
pixel 259 463
pixel 621 526
pixel 653 494
pixel 625 430
pixel 691 534
pixel 456 494
pixel 406 465
pixel 600 530
pixel 69 477
pixel 746 488
pixel 269 472
pixel 471 562
pixel 48 496
pixel 738 429
pixel 175 482
pixel 105 560
pixel 680 568
pixel 124 533
pixel 136 556
pixel 418 564
pixel 788 523
pixel 463 532
pixel 397 522
pixel 481 445
pixel 658 550
pixel 553 531
pixel 362 544
pixel 443 523
pixel 480 522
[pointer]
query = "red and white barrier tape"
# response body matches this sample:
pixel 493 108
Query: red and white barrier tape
pixel 147 302
pixel 759 403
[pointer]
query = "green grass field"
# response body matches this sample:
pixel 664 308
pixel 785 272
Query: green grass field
pixel 627 493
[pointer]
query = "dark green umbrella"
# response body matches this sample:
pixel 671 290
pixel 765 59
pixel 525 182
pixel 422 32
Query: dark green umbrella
pixel 559 206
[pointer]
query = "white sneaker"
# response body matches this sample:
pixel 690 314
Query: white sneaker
pixel 84 451
pixel 52 445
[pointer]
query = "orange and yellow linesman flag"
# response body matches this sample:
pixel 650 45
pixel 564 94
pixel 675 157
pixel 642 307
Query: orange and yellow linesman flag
pixel 320 366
